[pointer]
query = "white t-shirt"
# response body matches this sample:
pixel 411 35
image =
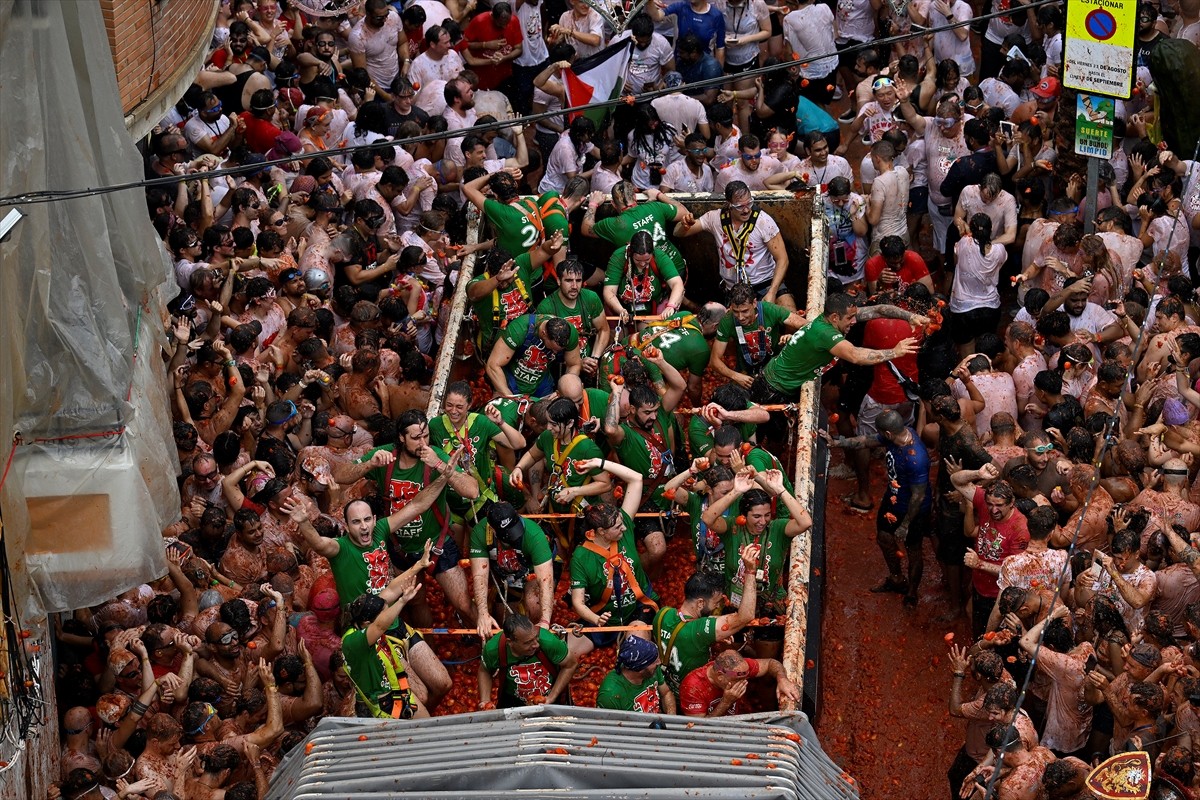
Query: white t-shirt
pixel 835 167
pixel 892 188
pixel 1002 211
pixel 679 178
pixel 946 44
pixel 197 129
pixel 379 47
pixel 533 49
pixel 435 13
pixel 338 121
pixel 976 276
pixel 758 265
pixel 742 21
pixel 431 98
pixel 551 103
pixel 940 154
pixel 646 66
pixel 998 94
pixel 425 69
pixel 591 23
pixel 877 120
pixel 755 180
pixel 564 158
pixel 603 180
pixel 809 32
pixel 683 113
pixel 855 20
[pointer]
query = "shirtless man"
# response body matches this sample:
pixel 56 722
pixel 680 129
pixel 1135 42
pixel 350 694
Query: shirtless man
pixel 1169 505
pixel 1091 520
pixel 1039 454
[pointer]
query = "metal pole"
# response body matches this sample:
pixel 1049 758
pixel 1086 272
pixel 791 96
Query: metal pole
pixel 1093 184
pixel 795 636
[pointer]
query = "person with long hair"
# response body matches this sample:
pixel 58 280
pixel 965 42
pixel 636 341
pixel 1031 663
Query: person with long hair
pixel 636 278
pixel 974 298
pixel 651 147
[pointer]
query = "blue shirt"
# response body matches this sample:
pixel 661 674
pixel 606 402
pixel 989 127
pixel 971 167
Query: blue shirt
pixel 811 117
pixel 709 26
pixel 907 466
pixel 707 67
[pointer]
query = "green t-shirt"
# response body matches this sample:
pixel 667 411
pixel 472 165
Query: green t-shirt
pixel 526 676
pixel 588 306
pixel 588 573
pixel 560 463
pixel 477 440
pixel 362 661
pixel 688 648
pixel 405 485
pixel 640 294
pixel 649 454
pixel 774 546
pixel 804 358
pixel 617 692
pixel 362 570
pixel 684 348
pixel 495 309
pixel 515 230
pixel 554 215
pixel 763 460
pixel 756 343
pixel 508 562
pixel 529 370
pixel 650 217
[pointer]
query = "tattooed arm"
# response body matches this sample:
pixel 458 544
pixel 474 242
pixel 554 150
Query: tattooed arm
pixel 864 356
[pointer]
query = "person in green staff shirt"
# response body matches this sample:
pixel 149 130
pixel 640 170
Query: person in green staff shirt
pixel 756 328
pixel 564 450
pixel 378 672
pixel 534 666
pixel 646 442
pixel 685 635
pixel 755 525
pixel 583 309
pixel 652 217
pixel 504 288
pixel 636 683
pixel 638 277
pixel 729 405
pixel 814 348
pixel 528 347
pixel 608 582
pixel 514 547
pixel 711 481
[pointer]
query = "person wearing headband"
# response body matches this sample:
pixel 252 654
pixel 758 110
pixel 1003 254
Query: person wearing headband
pixel 636 683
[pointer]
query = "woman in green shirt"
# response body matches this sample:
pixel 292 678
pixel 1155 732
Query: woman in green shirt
pixel 636 278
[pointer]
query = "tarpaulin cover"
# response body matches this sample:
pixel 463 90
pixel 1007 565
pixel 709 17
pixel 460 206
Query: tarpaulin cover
pixel 82 329
pixel 543 751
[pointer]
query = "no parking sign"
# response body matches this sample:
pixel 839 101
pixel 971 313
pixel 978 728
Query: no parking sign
pixel 1098 48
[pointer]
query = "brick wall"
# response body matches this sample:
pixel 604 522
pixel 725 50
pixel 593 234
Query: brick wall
pixel 152 41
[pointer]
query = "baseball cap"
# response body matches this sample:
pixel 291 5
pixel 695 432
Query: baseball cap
pixel 254 164
pixel 1047 88
pixel 304 184
pixel 111 707
pixel 505 522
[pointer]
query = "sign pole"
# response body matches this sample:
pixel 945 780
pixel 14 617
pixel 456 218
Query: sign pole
pixel 1093 183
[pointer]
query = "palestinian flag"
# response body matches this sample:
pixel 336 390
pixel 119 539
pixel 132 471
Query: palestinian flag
pixel 597 78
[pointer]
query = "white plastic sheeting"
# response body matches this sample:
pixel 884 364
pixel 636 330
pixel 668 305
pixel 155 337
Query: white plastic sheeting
pixel 83 383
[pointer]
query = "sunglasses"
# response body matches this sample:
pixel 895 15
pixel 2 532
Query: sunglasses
pixel 280 222
pixel 1043 448
pixel 752 156
pixel 697 150
pixel 228 638
pixel 215 109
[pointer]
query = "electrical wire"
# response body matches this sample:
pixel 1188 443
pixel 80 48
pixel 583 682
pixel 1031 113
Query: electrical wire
pixel 57 195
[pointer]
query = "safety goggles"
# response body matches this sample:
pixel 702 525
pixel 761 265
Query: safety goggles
pixel 1043 448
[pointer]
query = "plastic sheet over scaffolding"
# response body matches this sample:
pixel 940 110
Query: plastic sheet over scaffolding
pixel 562 751
pixel 85 436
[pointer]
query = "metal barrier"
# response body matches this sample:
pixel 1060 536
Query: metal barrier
pixel 802 221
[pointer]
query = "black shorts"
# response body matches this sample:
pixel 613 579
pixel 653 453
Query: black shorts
pixel 952 544
pixel 847 58
pixel 776 25
pixel 918 200
pixel 820 90
pixel 738 69
pixel 448 559
pixel 966 325
pixel 918 529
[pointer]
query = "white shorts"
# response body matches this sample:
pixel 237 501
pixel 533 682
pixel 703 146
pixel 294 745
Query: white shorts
pixel 870 410
pixel 940 225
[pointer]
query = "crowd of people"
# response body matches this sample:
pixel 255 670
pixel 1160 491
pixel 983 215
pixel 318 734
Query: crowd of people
pixel 1028 382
